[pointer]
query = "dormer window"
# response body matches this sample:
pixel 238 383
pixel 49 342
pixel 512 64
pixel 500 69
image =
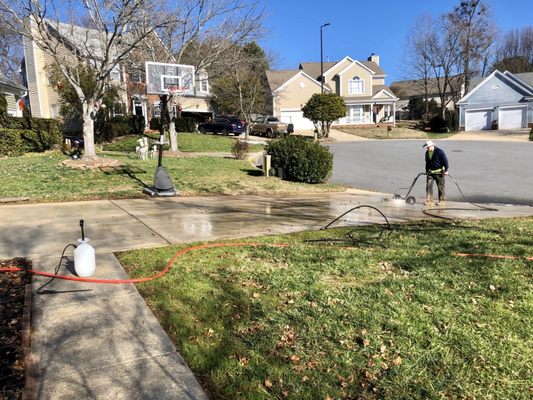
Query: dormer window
pixel 356 85
pixel 204 86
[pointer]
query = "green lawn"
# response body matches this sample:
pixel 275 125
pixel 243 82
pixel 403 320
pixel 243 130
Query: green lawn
pixel 386 315
pixel 43 178
pixel 187 142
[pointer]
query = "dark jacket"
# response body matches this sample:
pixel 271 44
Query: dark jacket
pixel 437 161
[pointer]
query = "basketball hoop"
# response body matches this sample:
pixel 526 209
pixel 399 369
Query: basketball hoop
pixel 174 90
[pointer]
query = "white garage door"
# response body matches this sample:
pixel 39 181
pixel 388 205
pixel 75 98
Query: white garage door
pixel 297 119
pixel 512 118
pixel 476 120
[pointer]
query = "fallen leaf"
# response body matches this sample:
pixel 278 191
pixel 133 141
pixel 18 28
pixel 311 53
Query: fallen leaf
pixel 268 383
pixel 295 359
pixel 366 342
pixel 397 360
pixel 256 295
pixel 492 288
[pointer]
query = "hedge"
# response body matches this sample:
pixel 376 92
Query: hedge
pixel 120 125
pixel 12 142
pixel 38 134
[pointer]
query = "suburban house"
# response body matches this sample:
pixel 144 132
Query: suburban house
pixel 14 94
pixel 429 88
pixel 129 78
pixel 501 100
pixel 360 83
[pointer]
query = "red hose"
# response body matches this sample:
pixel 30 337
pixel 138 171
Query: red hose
pixel 137 280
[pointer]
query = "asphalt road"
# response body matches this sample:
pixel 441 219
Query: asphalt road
pixel 487 172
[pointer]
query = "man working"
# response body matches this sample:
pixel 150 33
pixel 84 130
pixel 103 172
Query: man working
pixel 436 170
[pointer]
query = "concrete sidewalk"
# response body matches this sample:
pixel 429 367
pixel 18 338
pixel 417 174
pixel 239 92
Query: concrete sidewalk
pixel 105 343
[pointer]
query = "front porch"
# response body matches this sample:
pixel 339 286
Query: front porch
pixel 370 114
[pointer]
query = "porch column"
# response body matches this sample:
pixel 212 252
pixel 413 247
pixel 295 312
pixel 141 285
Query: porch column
pixel 393 114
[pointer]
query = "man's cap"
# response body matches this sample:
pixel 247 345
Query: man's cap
pixel 428 144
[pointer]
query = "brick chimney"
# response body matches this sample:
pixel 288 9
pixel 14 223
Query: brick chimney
pixel 374 57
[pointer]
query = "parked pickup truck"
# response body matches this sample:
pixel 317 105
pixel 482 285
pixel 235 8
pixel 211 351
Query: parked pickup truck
pixel 271 127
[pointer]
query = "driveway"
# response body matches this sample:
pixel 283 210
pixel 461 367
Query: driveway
pixel 486 171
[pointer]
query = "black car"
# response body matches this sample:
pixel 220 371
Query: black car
pixel 224 125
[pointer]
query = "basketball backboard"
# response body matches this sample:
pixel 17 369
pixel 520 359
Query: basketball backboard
pixel 161 77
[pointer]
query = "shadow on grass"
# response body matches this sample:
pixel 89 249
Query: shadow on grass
pixel 253 172
pixel 127 170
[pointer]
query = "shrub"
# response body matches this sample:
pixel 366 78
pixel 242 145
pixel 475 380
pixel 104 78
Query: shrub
pixel 120 125
pixel 301 160
pixel 11 142
pixel 438 124
pixel 452 120
pixel 38 134
pixel 185 124
pixel 240 149
pixel 155 123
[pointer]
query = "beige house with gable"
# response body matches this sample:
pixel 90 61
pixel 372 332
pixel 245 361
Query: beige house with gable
pixel 360 83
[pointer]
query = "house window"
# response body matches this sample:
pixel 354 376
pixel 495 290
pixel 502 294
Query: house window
pixel 203 85
pixel 136 77
pixel 118 109
pixel 54 110
pixel 115 74
pixel 356 114
pixel 356 85
pixel 157 110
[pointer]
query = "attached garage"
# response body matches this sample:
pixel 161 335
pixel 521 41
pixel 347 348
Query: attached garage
pixel 296 118
pixel 477 120
pixel 512 118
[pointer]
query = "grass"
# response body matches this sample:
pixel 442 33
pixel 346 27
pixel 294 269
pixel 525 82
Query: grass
pixel 187 142
pixel 396 133
pixel 391 315
pixel 43 178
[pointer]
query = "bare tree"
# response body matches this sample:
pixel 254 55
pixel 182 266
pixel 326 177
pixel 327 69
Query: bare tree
pixel 418 64
pixel 514 51
pixel 11 52
pixel 472 20
pixel 113 28
pixel 206 31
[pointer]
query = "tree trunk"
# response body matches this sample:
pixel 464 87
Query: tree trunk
pixel 173 137
pixel 89 152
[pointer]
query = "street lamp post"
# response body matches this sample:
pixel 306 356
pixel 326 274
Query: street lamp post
pixel 322 60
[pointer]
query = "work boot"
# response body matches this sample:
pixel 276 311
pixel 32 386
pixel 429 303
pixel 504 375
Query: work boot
pixel 429 201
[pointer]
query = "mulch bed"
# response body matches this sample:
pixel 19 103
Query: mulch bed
pixel 12 366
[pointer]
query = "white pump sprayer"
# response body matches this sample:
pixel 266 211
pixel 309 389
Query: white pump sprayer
pixel 84 256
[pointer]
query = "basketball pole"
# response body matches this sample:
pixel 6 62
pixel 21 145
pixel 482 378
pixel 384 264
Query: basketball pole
pixel 162 181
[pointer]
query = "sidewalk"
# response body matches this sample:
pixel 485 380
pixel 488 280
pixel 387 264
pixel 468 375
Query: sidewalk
pixel 105 343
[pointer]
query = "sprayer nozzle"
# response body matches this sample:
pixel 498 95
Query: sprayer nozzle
pixel 82 233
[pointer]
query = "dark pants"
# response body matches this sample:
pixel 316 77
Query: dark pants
pixel 440 178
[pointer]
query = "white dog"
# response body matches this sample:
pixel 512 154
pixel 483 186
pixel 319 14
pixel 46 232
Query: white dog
pixel 142 148
pixel 153 152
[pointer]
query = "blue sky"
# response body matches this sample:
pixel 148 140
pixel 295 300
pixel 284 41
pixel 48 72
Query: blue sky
pixel 361 27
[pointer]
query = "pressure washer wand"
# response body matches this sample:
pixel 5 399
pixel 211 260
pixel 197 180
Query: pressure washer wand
pixel 82 232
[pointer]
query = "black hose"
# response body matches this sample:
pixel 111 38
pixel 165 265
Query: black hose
pixel 56 272
pixel 355 208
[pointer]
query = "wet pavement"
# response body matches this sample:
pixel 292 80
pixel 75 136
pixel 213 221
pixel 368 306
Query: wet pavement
pixel 104 342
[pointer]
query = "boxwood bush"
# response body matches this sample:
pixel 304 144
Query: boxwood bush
pixel 39 134
pixel 185 124
pixel 12 143
pixel 302 160
pixel 120 125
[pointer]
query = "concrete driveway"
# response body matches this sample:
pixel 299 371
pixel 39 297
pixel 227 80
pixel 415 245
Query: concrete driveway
pixel 492 171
